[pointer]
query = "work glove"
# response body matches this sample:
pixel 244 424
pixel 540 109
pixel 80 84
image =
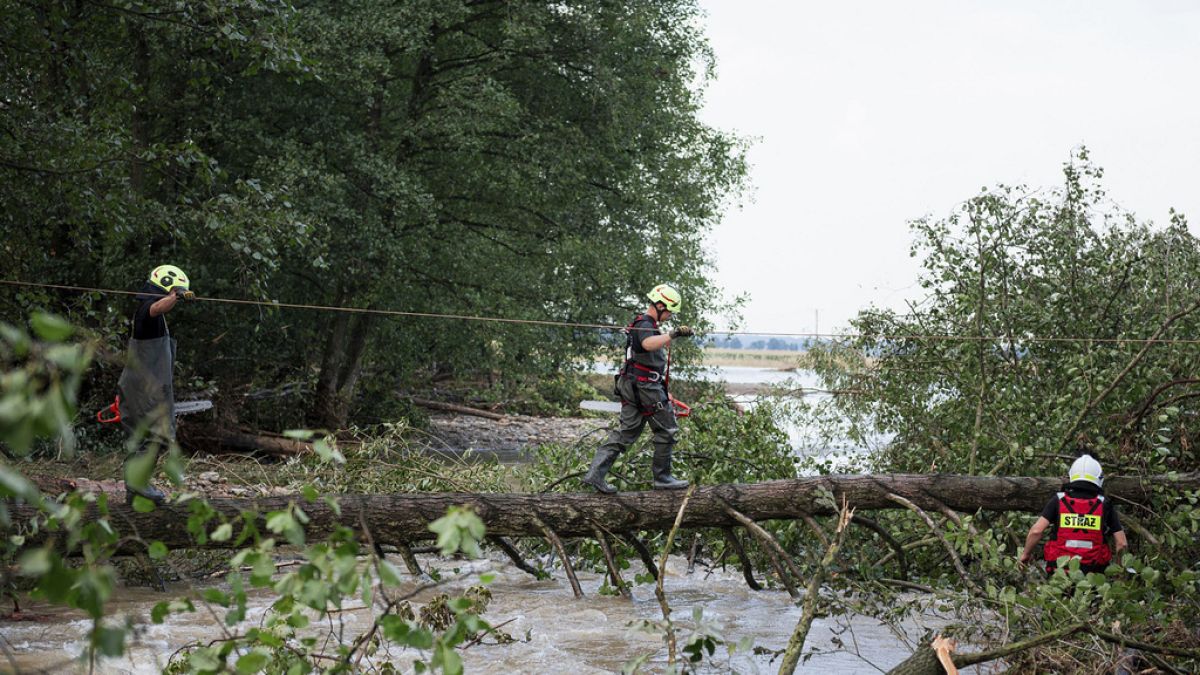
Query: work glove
pixel 184 295
pixel 682 331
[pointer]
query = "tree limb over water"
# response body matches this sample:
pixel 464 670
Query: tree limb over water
pixel 406 517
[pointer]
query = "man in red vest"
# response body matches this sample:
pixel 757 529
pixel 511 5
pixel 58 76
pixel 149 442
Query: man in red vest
pixel 1079 519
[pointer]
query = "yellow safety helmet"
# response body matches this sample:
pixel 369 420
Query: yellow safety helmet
pixel 668 296
pixel 169 277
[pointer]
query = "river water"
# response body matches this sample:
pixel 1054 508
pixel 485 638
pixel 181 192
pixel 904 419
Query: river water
pixel 555 633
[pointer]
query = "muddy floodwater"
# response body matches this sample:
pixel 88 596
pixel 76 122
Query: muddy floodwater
pixel 553 631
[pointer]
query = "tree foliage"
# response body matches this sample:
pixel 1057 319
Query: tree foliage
pixel 471 157
pixel 1051 318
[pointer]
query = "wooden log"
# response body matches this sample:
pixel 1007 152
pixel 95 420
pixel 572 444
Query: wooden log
pixel 781 560
pixel 643 552
pixel 556 542
pixel 897 549
pixel 931 658
pixel 614 571
pixel 791 655
pixel 410 560
pixel 406 517
pixel 513 554
pixel 213 440
pixel 455 408
pixel 731 536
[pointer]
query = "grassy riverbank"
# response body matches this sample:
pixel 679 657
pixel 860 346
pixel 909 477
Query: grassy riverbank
pixel 755 358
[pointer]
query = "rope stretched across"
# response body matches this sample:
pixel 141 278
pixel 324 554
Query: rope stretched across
pixel 605 326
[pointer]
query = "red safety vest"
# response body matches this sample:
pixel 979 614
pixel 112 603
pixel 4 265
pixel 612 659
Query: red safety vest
pixel 1079 533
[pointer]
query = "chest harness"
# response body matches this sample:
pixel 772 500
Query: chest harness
pixel 640 367
pixel 1079 533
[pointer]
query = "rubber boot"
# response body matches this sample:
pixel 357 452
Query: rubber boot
pixel 661 467
pixel 601 463
pixel 149 492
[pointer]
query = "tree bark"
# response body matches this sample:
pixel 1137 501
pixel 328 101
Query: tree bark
pixel 406 517
pixel 139 120
pixel 341 366
pixel 325 397
pixel 214 439
pixel 455 408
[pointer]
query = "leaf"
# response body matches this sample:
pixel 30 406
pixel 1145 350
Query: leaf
pixel 15 337
pixel 450 660
pixel 157 550
pixel 142 505
pixel 215 596
pixel 389 575
pixel 205 659
pixel 459 530
pixel 109 641
pixel 223 532
pixel 139 468
pixel 279 521
pixel 36 563
pixel 13 483
pixel 173 467
pixel 50 327
pixel 160 611
pixel 252 662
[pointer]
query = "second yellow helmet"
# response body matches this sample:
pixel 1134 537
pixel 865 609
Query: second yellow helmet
pixel 169 277
pixel 668 296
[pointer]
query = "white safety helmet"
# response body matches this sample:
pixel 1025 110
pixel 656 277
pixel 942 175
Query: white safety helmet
pixel 1088 469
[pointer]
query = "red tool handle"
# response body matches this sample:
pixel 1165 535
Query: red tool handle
pixel 681 409
pixel 115 409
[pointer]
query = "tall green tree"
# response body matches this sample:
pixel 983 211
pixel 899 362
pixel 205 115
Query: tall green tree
pixel 1035 334
pixel 511 159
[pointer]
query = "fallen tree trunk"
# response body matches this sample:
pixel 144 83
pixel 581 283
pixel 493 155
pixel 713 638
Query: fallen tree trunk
pixel 938 657
pixel 455 408
pixel 214 440
pixel 405 518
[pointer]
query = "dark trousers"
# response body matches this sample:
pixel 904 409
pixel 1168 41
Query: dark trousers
pixel 643 403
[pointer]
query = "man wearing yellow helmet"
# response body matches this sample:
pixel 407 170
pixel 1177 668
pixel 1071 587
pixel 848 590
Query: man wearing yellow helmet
pixel 146 387
pixel 641 384
pixel 166 286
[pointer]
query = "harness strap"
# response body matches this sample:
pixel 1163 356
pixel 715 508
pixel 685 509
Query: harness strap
pixel 651 376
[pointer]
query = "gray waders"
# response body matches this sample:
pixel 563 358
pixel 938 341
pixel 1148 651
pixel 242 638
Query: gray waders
pixel 643 401
pixel 147 393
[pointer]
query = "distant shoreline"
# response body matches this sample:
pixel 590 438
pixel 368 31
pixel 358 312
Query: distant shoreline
pixel 777 359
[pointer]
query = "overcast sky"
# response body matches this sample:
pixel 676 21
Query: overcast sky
pixel 867 114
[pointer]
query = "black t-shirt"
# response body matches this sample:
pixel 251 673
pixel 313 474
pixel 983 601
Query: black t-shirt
pixel 1110 522
pixel 642 328
pixel 146 327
